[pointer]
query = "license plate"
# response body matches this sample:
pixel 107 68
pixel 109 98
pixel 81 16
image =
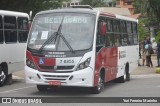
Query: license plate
pixel 56 83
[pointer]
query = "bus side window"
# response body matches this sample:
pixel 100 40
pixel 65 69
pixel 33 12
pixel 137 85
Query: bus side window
pixel 100 41
pixel 10 29
pixel 135 35
pixel 130 34
pixel 100 38
pixel 116 29
pixel 124 36
pixel 109 25
pixel 1 30
pixel 22 29
pixel 109 35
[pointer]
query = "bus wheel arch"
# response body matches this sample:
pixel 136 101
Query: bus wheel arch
pixel 126 76
pixel 3 73
pixel 101 79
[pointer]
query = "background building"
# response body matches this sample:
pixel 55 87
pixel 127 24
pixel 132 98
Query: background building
pixel 108 3
pixel 121 7
pixel 115 10
pixel 126 4
pixel 72 2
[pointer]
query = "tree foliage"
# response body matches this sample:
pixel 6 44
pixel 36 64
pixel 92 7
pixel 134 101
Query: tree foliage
pixel 150 13
pixel 93 3
pixel 153 9
pixel 142 30
pixel 30 5
pixel 149 9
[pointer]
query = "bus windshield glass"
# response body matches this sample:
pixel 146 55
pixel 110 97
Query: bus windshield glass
pixel 76 29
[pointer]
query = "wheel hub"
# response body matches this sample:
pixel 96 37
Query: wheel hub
pixel 100 84
pixel 2 77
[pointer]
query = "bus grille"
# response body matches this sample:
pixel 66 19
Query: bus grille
pixel 58 67
pixel 55 77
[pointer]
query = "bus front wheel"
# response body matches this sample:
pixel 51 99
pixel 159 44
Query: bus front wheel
pixel 3 76
pixel 97 89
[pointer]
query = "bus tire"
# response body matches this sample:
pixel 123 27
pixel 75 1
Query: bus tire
pixel 128 77
pixel 121 79
pixel 127 74
pixel 3 75
pixel 42 88
pixel 97 89
pixel 125 77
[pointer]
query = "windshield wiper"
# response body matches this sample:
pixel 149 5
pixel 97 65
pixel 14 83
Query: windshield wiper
pixel 63 38
pixel 66 42
pixel 55 36
pixel 52 37
pixel 49 40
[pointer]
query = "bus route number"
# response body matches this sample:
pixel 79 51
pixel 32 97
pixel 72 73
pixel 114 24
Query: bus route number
pixel 67 61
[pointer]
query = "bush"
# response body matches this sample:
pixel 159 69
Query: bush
pixel 157 70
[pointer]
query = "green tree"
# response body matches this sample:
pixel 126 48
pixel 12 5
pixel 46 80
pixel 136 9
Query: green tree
pixel 93 3
pixel 150 12
pixel 30 5
pixel 142 30
pixel 157 36
pixel 153 9
pixel 149 9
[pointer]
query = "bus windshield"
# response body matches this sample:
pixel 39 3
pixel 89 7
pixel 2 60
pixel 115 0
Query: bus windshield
pixel 75 30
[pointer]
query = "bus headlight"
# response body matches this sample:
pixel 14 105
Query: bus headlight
pixel 30 64
pixel 84 64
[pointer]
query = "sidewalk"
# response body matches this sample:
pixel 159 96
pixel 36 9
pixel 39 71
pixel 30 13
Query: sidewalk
pixel 145 70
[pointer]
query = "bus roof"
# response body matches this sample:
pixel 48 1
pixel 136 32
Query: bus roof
pixel 13 13
pixel 126 18
pixel 84 10
pixel 80 10
pixel 111 15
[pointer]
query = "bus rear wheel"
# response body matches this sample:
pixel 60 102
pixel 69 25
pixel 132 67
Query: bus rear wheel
pixel 42 88
pixel 97 89
pixel 125 77
pixel 3 76
pixel 127 74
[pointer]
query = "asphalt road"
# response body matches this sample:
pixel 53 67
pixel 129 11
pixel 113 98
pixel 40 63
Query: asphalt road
pixel 141 85
pixel 147 85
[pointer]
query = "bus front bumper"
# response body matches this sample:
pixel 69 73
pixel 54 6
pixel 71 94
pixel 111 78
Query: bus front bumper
pixel 83 78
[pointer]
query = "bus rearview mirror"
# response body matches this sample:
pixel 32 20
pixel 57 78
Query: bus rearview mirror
pixel 103 28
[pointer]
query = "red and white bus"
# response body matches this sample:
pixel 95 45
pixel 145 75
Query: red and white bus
pixel 80 47
pixel 13 38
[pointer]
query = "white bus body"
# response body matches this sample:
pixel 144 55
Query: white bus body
pixel 80 47
pixel 13 37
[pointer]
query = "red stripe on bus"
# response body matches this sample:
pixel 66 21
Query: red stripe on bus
pixel 47 61
pixel 28 55
pixel 108 15
pixel 106 58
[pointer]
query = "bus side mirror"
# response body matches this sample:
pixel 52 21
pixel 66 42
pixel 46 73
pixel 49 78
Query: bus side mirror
pixel 103 28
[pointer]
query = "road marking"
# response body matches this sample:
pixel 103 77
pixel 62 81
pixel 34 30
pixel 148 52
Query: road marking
pixel 146 76
pixel 17 89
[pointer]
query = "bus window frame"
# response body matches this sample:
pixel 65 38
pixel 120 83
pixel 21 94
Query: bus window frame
pixel 136 33
pixel 1 29
pixel 122 32
pixel 21 30
pixel 5 29
pixel 129 33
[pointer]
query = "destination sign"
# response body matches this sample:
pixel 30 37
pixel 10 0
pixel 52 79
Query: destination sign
pixel 67 19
